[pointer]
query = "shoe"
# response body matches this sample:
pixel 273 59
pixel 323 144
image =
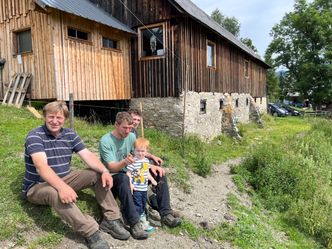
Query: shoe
pixel 114 228
pixel 170 221
pixel 153 214
pixel 137 231
pixel 146 225
pixel 95 241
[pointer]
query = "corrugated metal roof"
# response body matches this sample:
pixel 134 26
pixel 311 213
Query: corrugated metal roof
pixel 198 14
pixel 85 9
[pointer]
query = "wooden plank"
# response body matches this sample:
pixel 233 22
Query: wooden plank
pixel 34 111
pixel 8 89
pixel 23 90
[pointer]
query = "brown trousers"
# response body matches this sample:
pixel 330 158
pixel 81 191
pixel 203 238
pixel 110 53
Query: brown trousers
pixel 44 194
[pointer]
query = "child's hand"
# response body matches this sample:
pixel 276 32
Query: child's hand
pixel 132 188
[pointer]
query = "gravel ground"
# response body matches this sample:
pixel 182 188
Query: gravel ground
pixel 205 206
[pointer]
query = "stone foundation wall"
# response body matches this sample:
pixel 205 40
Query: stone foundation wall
pixel 165 114
pixel 203 112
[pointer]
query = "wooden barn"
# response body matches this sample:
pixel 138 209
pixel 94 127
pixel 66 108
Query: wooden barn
pixel 68 47
pixel 186 69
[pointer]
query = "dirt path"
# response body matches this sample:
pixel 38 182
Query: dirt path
pixel 206 205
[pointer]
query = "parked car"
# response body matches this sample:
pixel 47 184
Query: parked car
pixel 291 110
pixel 276 110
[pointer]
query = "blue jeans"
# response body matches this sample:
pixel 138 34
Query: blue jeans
pixel 140 198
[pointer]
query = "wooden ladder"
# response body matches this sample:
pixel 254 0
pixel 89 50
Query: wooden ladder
pixel 17 89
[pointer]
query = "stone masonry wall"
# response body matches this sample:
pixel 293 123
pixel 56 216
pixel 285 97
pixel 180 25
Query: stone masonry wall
pixel 203 112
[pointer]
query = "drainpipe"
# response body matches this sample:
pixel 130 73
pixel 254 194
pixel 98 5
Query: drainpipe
pixel 2 64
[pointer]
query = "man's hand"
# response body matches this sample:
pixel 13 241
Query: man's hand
pixel 156 159
pixel 157 170
pixel 129 159
pixel 107 180
pixel 67 194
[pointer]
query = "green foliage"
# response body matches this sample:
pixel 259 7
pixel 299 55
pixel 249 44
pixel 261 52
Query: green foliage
pixel 194 150
pixel 295 178
pixel 248 42
pixel 229 23
pixel 302 45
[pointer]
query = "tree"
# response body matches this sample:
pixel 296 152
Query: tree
pixel 302 43
pixel 272 81
pixel 229 23
pixel 232 25
pixel 248 42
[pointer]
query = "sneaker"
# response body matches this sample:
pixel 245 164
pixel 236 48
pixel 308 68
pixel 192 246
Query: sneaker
pixel 95 241
pixel 137 231
pixel 170 221
pixel 114 228
pixel 146 225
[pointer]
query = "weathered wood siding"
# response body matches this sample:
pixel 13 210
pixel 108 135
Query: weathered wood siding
pixel 184 66
pixel 228 75
pixel 146 11
pixel 18 15
pixel 61 65
pixel 84 67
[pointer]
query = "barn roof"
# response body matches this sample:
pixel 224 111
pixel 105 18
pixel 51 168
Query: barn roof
pixel 85 9
pixel 199 15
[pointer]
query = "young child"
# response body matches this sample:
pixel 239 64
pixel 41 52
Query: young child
pixel 139 175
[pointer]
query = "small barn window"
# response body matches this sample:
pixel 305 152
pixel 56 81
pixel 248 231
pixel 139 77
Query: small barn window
pixel 110 43
pixel 237 103
pixel 22 41
pixel 151 41
pixel 211 54
pixel 246 68
pixel 247 101
pixel 78 34
pixel 202 108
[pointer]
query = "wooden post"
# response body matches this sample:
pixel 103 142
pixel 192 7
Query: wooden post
pixel 71 110
pixel 142 126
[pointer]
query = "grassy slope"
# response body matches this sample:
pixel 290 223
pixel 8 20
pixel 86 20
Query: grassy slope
pixel 18 218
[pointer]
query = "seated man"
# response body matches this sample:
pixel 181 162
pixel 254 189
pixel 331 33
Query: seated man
pixel 49 179
pixel 115 148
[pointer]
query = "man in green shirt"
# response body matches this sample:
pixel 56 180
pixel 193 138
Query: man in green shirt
pixel 115 151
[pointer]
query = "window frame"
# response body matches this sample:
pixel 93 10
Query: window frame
pixel 16 43
pixel 118 44
pixel 214 54
pixel 246 68
pixel 89 34
pixel 140 41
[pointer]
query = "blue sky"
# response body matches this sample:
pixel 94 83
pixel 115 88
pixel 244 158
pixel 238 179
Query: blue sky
pixel 257 17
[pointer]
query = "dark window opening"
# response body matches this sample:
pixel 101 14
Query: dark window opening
pixel 78 34
pixel 202 108
pixel 237 102
pixel 110 43
pixel 152 41
pixel 221 104
pixel 246 68
pixel 23 41
pixel 247 101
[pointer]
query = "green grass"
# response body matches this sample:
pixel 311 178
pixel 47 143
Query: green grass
pixel 254 227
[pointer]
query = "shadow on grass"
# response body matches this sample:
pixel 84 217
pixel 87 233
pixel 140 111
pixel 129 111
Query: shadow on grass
pixel 47 219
